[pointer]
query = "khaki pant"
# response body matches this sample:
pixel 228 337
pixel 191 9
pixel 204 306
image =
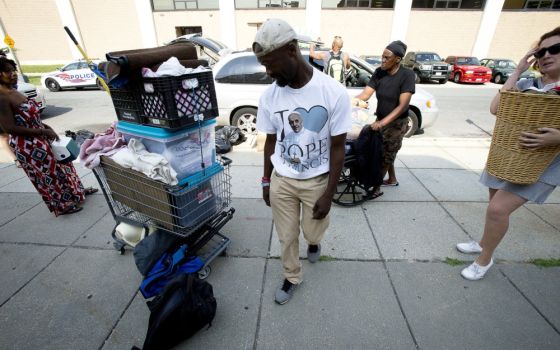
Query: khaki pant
pixel 292 203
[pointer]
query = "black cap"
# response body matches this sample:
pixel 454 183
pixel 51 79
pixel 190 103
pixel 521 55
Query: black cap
pixel 397 47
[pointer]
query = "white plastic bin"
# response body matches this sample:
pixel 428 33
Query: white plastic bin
pixel 186 150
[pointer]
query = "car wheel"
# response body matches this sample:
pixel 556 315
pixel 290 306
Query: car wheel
pixel 417 80
pixel 498 79
pixel 442 81
pixel 52 85
pixel 457 78
pixel 412 123
pixel 246 120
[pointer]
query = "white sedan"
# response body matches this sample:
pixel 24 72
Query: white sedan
pixel 75 74
pixel 240 81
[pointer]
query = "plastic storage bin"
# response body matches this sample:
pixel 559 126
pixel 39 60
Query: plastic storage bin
pixel 188 150
pixel 199 197
pixel 167 102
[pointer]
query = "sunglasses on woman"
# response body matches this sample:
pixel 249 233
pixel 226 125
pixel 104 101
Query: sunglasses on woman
pixel 553 50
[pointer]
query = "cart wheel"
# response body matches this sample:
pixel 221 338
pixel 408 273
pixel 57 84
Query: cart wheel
pixel 119 246
pixel 224 252
pixel 204 272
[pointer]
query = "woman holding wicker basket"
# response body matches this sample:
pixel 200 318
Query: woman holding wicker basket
pixel 507 196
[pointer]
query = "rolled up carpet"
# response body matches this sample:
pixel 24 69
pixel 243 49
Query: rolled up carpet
pixel 131 61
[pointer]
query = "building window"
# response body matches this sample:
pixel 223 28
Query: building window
pixel 268 4
pixel 538 5
pixel 178 5
pixel 179 31
pixel 449 4
pixel 382 4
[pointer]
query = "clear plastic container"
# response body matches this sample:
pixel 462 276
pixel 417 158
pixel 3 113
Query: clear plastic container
pixel 188 150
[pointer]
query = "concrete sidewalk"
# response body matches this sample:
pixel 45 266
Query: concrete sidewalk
pixel 383 282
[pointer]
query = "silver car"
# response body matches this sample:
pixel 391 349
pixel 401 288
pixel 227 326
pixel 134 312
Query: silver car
pixel 240 81
pixel 31 92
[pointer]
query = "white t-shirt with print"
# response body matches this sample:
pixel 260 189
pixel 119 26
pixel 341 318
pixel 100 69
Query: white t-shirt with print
pixel 324 105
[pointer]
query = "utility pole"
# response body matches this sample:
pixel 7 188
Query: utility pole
pixel 11 50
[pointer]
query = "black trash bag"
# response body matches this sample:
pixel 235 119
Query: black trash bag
pixel 222 142
pixel 79 136
pixel 234 135
pixel 186 305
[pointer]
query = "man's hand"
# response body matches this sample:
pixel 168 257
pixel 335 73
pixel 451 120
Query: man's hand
pixel 266 195
pixel 322 207
pixel 546 137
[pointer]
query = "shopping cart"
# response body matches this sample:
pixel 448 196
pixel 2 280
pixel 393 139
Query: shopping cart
pixel 194 211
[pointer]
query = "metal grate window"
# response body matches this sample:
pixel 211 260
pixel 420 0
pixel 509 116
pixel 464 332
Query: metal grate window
pixel 268 4
pixel 449 4
pixel 382 4
pixel 533 5
pixel 178 5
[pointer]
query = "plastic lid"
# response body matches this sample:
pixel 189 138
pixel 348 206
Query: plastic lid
pixel 158 133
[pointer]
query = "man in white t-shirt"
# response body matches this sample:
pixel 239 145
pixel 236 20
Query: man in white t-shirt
pixel 306 116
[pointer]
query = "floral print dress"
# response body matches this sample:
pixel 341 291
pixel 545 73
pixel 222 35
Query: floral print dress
pixel 57 183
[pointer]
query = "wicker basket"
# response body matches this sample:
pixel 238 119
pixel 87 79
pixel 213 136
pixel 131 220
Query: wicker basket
pixel 519 112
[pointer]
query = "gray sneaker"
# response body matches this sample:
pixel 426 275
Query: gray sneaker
pixel 284 293
pixel 313 253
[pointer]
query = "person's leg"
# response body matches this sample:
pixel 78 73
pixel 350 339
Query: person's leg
pixel 500 207
pixel 392 176
pixel 286 214
pixel 311 190
pixel 393 136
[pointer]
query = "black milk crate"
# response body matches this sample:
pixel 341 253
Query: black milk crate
pixel 127 105
pixel 167 102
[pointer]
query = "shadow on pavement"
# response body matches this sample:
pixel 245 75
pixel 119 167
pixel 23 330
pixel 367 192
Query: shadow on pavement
pixel 53 111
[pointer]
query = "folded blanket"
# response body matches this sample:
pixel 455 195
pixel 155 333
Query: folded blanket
pixel 153 165
pixel 106 144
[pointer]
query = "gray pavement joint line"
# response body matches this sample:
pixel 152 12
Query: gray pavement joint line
pixel 65 248
pixel 391 282
pixel 118 320
pixel 258 327
pixel 23 212
pixel 540 217
pixel 530 302
pixel 33 277
pixel 11 182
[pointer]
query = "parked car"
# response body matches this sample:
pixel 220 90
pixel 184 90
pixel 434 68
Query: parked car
pixel 240 81
pixel 427 66
pixel 467 69
pixel 31 92
pixel 374 61
pixel 207 49
pixel 502 68
pixel 75 74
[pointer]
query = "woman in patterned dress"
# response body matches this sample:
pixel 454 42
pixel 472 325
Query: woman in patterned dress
pixel 57 183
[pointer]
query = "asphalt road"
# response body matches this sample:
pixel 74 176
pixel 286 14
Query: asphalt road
pixel 458 103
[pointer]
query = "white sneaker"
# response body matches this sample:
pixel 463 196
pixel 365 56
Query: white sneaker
pixel 475 272
pixel 471 247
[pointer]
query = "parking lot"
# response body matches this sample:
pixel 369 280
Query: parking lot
pixel 93 110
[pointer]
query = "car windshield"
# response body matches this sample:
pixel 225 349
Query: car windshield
pixel 507 64
pixel 467 61
pixel 373 59
pixel 423 57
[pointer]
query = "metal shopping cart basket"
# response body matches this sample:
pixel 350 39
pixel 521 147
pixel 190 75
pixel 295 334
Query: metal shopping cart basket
pixel 195 210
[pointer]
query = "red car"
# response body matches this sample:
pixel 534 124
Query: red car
pixel 468 70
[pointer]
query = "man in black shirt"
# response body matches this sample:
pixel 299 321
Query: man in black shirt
pixel 394 86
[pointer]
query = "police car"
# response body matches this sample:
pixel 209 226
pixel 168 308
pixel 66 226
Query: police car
pixel 75 74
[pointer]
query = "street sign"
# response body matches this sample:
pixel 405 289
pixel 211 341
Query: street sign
pixel 9 41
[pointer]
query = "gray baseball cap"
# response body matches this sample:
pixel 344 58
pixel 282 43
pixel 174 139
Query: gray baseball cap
pixel 272 35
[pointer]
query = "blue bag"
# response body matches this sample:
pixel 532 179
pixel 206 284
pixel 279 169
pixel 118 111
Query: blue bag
pixel 166 268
